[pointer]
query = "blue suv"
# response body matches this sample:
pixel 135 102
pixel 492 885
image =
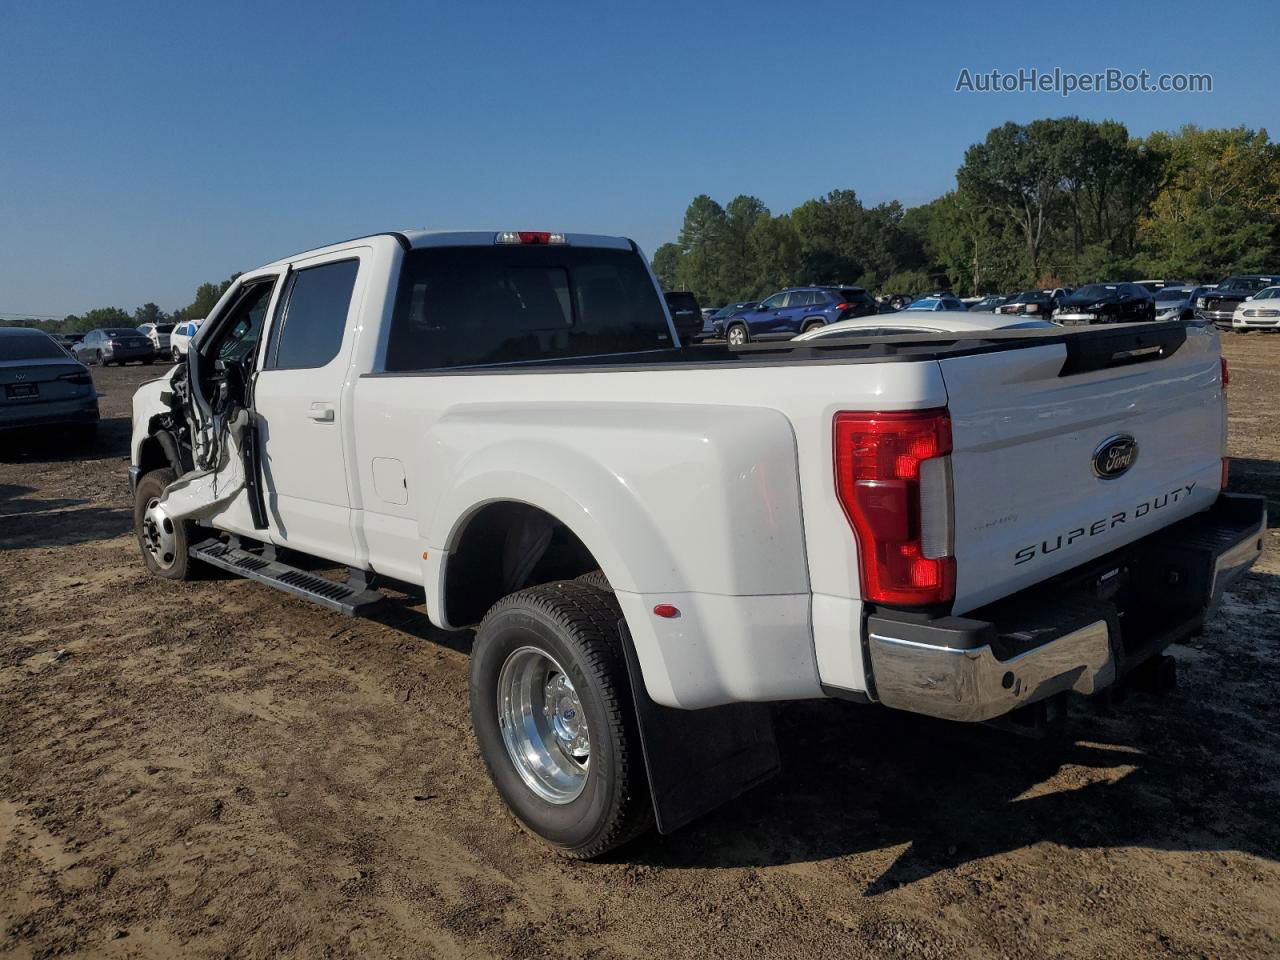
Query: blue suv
pixel 795 310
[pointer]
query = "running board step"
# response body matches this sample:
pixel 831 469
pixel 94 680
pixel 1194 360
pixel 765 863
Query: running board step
pixel 353 601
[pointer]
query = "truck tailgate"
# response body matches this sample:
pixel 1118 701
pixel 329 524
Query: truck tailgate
pixel 1030 429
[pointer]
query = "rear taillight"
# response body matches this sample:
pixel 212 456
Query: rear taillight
pixel 843 306
pixel 529 237
pixel 80 377
pixel 1226 376
pixel 893 481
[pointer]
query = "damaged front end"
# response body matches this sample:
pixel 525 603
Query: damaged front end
pixel 211 447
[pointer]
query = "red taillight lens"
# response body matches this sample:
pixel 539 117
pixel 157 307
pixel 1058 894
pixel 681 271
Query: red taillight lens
pixel 1226 376
pixel 878 458
pixel 843 306
pixel 1226 472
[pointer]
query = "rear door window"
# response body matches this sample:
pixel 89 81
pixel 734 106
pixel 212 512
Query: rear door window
pixel 313 317
pixel 469 306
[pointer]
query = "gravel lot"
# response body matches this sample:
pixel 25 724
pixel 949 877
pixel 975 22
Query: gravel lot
pixel 216 769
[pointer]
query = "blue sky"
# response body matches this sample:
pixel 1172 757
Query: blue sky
pixel 145 148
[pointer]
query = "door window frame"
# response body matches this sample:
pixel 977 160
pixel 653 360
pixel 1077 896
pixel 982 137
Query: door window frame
pixel 279 311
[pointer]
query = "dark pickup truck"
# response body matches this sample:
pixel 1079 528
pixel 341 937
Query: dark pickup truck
pixel 1219 304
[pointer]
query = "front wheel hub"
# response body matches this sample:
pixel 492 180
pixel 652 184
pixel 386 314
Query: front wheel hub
pixel 159 535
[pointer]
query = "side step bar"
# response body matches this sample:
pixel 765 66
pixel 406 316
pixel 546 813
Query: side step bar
pixel 352 599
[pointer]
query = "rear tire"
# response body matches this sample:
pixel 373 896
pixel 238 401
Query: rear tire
pixel 597 579
pixel 737 335
pixel 177 357
pixel 163 543
pixel 97 359
pixel 551 658
pixel 812 325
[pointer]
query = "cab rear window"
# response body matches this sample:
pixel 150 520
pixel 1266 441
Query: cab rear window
pixel 472 306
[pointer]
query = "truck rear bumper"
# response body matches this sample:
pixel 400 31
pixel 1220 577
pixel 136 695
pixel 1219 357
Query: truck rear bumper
pixel 1078 633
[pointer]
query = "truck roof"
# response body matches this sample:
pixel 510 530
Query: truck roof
pixel 418 239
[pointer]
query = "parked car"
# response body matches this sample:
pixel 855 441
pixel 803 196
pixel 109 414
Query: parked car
pixel 685 314
pixel 43 385
pixel 158 334
pixel 1219 304
pixel 1259 312
pixel 1153 286
pixel 180 338
pixel 656 543
pixel 1106 303
pixel 797 309
pixel 1176 303
pixel 1034 302
pixel 719 322
pixel 937 302
pixel 988 303
pixel 903 323
pixel 115 345
pixel 709 312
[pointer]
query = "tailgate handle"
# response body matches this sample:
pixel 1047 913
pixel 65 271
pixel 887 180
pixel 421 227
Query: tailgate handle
pixel 1103 349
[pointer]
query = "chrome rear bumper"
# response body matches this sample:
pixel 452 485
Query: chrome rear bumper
pixel 1068 637
pixel 973 685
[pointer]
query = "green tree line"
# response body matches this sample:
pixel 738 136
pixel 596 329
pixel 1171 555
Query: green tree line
pixel 1057 202
pixel 207 295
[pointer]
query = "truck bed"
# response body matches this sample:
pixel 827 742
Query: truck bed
pixel 1088 347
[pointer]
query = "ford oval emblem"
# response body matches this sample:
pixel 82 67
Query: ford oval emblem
pixel 1114 456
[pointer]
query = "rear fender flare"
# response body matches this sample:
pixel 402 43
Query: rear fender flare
pixel 578 492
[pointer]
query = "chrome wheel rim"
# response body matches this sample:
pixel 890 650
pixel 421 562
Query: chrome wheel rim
pixel 544 727
pixel 159 536
pixel 737 336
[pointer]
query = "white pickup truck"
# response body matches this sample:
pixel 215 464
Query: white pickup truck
pixel 657 540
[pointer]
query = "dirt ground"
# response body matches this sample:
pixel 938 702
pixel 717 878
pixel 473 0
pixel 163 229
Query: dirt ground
pixel 215 769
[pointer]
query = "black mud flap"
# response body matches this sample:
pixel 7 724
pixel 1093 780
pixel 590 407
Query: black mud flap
pixel 698 760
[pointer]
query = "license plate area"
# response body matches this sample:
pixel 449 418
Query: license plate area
pixel 21 391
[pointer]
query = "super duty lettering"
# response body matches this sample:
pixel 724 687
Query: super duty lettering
pixel 1103 525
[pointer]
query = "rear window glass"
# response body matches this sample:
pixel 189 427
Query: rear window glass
pixel 465 306
pixel 30 346
pixel 121 332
